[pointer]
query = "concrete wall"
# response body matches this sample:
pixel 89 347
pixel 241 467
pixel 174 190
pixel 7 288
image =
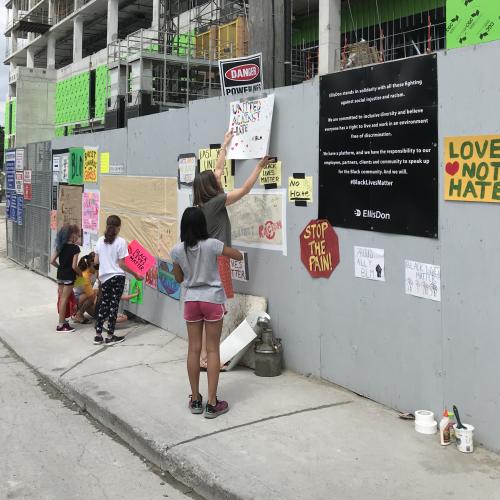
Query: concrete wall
pixel 368 336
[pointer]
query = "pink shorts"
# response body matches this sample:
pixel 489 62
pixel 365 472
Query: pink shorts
pixel 203 311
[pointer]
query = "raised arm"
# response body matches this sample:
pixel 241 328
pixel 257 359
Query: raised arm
pixel 219 164
pixel 238 193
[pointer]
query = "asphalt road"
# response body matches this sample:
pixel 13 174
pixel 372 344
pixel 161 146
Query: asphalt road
pixel 50 451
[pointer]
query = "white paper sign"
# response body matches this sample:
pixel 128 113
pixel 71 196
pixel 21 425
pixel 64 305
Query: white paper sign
pixel 423 280
pixel 19 159
pixel 234 346
pixel 187 168
pixel 250 122
pixel 64 168
pixel 369 263
pixel 19 183
pixel 239 268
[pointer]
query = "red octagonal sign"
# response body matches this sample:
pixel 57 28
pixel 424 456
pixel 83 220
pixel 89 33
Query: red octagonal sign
pixel 319 248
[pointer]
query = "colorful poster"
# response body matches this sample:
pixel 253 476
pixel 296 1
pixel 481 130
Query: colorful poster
pixel 423 280
pixel 19 159
pixel 76 157
pixel 208 158
pixel 187 168
pixel 259 220
pixel 139 259
pixel 136 286
pixel 64 174
pixel 90 211
pixel 19 183
pixel 319 248
pixel 90 165
pixel 166 280
pixel 471 168
pixel 152 277
pixel 241 74
pixel 300 189
pixel 250 121
pixel 469 22
pixel 53 220
pixel 27 185
pixel 369 263
pixel 239 268
pixel 20 210
pixel 104 156
pixel 270 175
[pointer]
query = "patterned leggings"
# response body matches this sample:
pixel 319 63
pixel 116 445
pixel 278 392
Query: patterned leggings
pixel 111 293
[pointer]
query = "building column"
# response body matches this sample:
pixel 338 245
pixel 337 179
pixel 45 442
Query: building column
pixel 30 57
pixel 155 24
pixel 112 20
pixel 51 52
pixel 77 38
pixel 51 13
pixel 329 36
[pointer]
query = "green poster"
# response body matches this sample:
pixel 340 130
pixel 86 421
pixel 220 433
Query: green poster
pixel 469 22
pixel 136 286
pixel 75 174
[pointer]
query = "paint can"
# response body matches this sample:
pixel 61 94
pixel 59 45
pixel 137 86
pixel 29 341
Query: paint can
pixel 424 422
pixel 465 438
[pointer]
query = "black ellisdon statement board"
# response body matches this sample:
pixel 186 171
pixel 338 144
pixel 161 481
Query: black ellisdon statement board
pixel 378 141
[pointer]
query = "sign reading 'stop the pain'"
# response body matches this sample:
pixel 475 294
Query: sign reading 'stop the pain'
pixel 378 164
pixel 472 168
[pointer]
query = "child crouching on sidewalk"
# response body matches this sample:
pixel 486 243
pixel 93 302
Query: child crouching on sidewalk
pixel 195 266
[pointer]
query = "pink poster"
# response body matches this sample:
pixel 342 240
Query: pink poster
pixel 90 211
pixel 139 259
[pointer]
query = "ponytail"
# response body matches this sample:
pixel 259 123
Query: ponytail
pixel 113 224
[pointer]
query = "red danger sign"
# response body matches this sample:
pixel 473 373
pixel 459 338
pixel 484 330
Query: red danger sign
pixel 243 73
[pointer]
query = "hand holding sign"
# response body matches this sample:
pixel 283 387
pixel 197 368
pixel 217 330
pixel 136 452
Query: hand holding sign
pixel 139 260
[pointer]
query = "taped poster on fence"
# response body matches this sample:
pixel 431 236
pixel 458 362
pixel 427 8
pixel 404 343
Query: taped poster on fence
pixel 136 286
pixel 90 165
pixel 423 280
pixel 250 122
pixel 90 211
pixel 28 193
pixel 64 172
pixel 152 277
pixel 139 259
pixel 241 74
pixel 69 206
pixel 19 159
pixel 208 159
pixel 259 220
pixel 369 263
pixel 19 183
pixel 186 168
pixel 239 268
pixel 166 280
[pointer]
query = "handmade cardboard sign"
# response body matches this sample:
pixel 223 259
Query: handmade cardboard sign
pixel 69 206
pixel 208 159
pixel 300 189
pixel 76 157
pixel 187 168
pixel 90 211
pixel 90 165
pixel 166 280
pixel 319 248
pixel 139 259
pixel 423 280
pixel 104 162
pixel 250 122
pixel 369 263
pixel 472 168
pixel 239 268
pixel 136 287
pixel 270 175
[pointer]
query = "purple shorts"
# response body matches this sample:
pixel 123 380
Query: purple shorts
pixel 203 311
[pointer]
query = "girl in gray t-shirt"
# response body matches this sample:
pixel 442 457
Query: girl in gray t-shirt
pixel 195 266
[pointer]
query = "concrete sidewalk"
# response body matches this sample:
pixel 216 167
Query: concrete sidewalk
pixel 287 437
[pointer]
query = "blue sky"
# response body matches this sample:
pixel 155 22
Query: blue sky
pixel 4 70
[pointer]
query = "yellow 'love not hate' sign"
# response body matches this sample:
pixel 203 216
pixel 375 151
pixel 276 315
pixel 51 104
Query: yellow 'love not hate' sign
pixel 472 168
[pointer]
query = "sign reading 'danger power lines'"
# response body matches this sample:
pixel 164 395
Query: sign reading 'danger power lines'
pixel 378 161
pixel 241 74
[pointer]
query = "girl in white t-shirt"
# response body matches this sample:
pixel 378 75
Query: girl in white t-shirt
pixel 110 253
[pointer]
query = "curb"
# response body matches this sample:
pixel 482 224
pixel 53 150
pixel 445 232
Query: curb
pixel 209 487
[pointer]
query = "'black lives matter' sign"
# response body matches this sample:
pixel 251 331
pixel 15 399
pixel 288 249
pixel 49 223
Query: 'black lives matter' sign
pixel 378 159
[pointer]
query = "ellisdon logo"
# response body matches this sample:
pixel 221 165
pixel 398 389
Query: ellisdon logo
pixel 372 214
pixel 243 73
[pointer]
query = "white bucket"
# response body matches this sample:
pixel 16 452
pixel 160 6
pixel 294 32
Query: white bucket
pixel 465 439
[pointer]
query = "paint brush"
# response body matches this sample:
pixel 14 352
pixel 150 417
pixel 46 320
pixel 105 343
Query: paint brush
pixel 457 416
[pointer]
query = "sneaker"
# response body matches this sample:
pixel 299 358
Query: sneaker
pixel 218 409
pixel 65 328
pixel 114 340
pixel 98 340
pixel 196 407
